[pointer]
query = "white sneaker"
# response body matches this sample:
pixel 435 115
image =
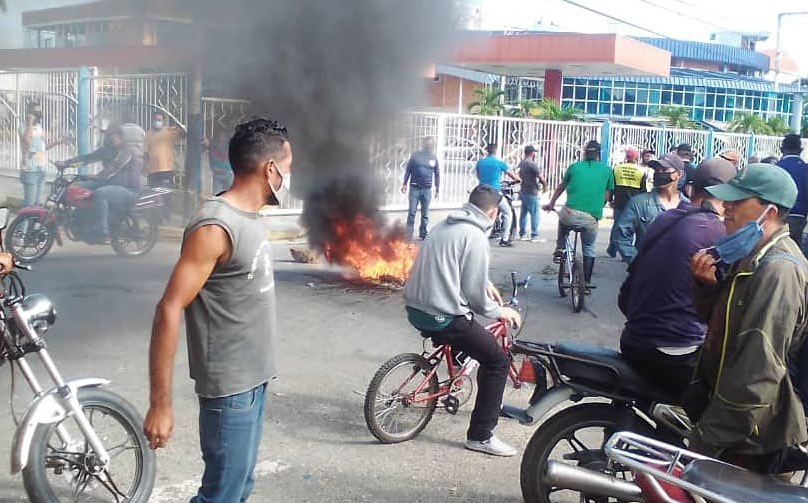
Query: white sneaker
pixel 524 238
pixel 493 446
pixel 538 239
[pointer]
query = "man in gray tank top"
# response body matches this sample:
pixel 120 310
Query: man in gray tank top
pixel 225 284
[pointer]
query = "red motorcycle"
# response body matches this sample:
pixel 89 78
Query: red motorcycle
pixel 69 207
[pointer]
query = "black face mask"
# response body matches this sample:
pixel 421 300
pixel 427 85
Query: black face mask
pixel 662 179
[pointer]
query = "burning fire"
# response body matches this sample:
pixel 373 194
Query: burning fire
pixel 375 252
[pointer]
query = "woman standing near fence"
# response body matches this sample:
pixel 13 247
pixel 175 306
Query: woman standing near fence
pixel 34 159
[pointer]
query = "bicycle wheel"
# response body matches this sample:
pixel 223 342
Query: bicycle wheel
pixel 578 285
pixel 562 277
pixel 393 411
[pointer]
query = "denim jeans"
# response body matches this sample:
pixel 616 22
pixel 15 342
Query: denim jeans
pixel 473 339
pixel 222 180
pixel 422 197
pixel 530 206
pixel 507 218
pixel 115 197
pixel 569 218
pixel 612 250
pixel 32 182
pixel 230 431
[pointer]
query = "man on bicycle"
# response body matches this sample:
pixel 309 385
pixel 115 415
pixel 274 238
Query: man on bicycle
pixel 588 184
pixel 448 284
pixel 489 171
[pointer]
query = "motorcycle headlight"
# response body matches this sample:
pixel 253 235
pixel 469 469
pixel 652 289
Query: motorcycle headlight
pixel 39 312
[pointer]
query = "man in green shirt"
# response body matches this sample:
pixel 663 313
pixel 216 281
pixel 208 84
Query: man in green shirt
pixel 588 184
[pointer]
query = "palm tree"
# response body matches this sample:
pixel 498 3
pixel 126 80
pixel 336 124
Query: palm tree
pixel 550 110
pixel 489 102
pixel 778 126
pixel 525 108
pixel 678 117
pixel 746 122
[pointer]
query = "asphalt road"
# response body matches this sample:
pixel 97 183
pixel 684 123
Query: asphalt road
pixel 334 336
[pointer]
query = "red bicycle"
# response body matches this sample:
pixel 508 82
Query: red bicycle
pixel 404 392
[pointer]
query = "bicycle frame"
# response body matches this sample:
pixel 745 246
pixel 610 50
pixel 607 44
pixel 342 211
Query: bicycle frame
pixel 569 253
pixel 497 329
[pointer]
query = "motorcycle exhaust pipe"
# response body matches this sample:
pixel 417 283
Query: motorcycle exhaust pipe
pixel 565 476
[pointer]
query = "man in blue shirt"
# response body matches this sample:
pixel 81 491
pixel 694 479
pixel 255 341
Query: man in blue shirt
pixel 663 335
pixel 489 171
pixel 797 168
pixel 422 166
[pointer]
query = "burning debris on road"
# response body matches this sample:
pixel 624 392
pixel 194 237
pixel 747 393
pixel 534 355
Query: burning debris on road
pixel 345 225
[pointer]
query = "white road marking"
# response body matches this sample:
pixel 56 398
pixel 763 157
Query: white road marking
pixel 184 491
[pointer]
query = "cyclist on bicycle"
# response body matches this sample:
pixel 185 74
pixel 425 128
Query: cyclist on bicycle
pixel 448 284
pixel 489 171
pixel 589 184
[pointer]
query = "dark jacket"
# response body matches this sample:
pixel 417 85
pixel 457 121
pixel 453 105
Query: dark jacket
pixel 420 170
pixel 122 166
pixel 798 170
pixel 756 325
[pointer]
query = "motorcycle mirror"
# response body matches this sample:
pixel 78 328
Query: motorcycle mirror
pixel 3 217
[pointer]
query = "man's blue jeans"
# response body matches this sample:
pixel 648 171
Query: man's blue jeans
pixel 32 182
pixel 422 197
pixel 230 430
pixel 117 197
pixel 530 207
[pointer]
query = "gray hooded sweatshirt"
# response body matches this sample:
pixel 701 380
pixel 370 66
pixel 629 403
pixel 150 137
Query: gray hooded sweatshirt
pixel 450 273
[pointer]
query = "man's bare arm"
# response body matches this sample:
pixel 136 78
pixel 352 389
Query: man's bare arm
pixel 202 251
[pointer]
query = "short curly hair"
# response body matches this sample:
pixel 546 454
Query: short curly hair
pixel 254 141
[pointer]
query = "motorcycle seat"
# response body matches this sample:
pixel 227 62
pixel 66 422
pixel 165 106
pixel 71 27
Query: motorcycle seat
pixel 741 485
pixel 605 369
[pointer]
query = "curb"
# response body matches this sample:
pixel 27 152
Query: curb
pixel 170 233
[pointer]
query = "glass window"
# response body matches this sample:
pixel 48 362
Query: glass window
pixel 591 107
pixel 655 97
pixel 698 114
pixel 593 83
pixel 678 88
pixel 699 98
pixel 629 109
pixel 758 104
pixel 730 101
pixel 617 109
pixel 618 94
pixel 653 109
pixel 603 108
pixel 678 98
pixel 642 96
pixel 580 92
pixel 642 110
pixel 729 115
pixel 747 102
pixel 719 115
pixel 667 97
pixel 631 96
pixel 592 93
pixel 689 99
pixel 709 114
pixel 47 37
pixel 605 94
pixel 710 100
pixel 567 92
pixel 720 100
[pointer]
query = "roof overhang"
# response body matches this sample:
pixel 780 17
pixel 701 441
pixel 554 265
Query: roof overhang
pixel 530 54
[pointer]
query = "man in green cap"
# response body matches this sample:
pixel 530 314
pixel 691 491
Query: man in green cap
pixel 751 291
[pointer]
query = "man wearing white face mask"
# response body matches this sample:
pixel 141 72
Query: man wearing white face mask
pixel 225 284
pixel 743 401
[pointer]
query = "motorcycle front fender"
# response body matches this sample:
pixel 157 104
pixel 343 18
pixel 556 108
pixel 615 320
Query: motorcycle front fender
pixel 552 398
pixel 47 409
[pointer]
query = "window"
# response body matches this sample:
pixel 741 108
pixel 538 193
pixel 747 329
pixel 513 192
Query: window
pixel 604 108
pixel 667 97
pixel 47 37
pixel 567 92
pixel 719 115
pixel 642 110
pixel 580 92
pixel 655 97
pixel 698 114
pixel 591 107
pixel 605 94
pixel 642 96
pixel 617 109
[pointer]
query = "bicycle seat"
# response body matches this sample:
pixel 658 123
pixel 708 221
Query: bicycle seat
pixel 741 485
pixel 601 368
pixel 577 228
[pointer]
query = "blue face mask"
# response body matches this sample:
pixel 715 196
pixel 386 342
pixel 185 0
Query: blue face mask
pixel 740 243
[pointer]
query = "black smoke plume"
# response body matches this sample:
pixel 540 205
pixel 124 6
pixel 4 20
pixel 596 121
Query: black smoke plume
pixel 336 72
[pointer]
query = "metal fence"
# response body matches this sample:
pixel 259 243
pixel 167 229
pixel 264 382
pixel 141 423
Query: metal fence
pixel 56 93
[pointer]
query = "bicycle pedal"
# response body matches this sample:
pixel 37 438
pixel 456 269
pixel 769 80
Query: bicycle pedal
pixel 451 404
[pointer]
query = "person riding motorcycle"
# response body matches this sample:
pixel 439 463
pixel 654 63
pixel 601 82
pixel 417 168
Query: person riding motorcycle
pixel 751 291
pixel 117 185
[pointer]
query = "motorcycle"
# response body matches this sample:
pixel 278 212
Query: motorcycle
pixel 133 233
pixel 665 473
pixel 76 441
pixel 625 401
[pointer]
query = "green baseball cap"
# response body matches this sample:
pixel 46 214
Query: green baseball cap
pixel 764 181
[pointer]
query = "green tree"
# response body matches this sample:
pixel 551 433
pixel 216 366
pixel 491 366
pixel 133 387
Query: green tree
pixel 525 108
pixel 550 110
pixel 778 126
pixel 677 117
pixel 489 102
pixel 745 122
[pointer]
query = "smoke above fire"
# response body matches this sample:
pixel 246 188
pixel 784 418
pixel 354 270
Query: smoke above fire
pixel 336 72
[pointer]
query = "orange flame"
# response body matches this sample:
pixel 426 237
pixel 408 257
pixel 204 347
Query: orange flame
pixel 376 253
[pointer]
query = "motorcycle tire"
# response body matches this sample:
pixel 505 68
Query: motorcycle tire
pixel 18 226
pixel 35 474
pixel 554 432
pixel 147 233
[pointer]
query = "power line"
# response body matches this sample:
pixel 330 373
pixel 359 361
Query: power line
pixel 685 15
pixel 613 18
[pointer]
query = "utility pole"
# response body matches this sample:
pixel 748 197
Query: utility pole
pixel 796 112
